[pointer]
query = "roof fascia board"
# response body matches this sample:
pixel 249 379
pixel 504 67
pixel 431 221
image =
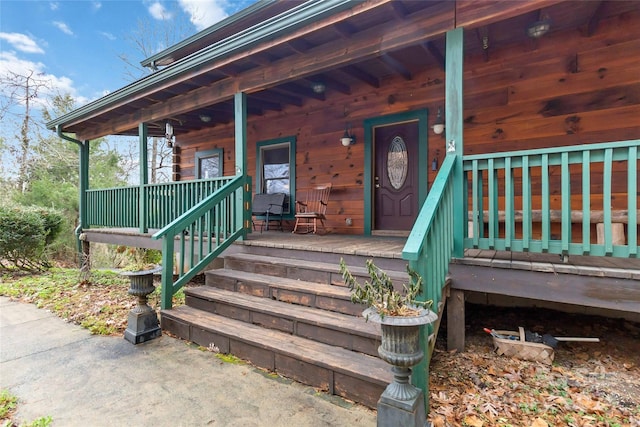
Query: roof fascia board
pixel 426 25
pixel 304 14
pixel 256 7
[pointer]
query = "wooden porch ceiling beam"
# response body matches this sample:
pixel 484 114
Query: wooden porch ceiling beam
pixel 472 14
pixel 297 89
pixel 300 45
pixel 263 103
pixel 361 75
pixel 396 66
pixel 435 53
pixel 278 97
pixel 345 29
pixel 399 9
pixel 338 85
pixel 592 26
pixel 364 45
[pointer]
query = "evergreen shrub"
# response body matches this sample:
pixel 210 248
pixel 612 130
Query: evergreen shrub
pixel 25 234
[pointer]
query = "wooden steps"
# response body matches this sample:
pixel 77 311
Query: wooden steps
pixel 290 316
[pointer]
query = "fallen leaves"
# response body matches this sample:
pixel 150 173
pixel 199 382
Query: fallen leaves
pixel 588 385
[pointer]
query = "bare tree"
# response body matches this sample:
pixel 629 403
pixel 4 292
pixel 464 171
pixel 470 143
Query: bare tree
pixel 22 89
pixel 147 39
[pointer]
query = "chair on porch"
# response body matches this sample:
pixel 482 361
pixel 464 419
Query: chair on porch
pixel 269 206
pixel 312 209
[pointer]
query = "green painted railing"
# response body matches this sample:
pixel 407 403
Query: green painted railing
pixel 202 233
pixel 120 207
pixel 166 202
pixel 429 250
pixel 563 191
pixel 113 207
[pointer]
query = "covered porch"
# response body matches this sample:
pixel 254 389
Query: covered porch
pixel 502 138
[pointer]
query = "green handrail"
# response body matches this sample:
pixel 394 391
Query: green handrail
pixel 564 189
pixel 429 249
pixel 202 233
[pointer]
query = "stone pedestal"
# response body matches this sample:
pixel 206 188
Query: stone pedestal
pixel 402 413
pixel 142 324
pixel 401 404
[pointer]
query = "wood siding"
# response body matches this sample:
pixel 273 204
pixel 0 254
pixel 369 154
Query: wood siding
pixel 564 89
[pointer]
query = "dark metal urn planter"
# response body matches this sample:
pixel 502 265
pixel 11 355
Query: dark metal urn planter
pixel 142 323
pixel 401 404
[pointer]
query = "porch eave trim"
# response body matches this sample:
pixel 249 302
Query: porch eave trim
pixel 306 14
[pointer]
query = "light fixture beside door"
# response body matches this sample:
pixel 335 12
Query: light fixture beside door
pixel 348 138
pixel 438 126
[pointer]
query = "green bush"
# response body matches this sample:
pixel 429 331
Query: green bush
pixel 25 233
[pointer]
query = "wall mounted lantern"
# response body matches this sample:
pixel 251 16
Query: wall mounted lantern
pixel 205 118
pixel 168 134
pixel 438 126
pixel 348 138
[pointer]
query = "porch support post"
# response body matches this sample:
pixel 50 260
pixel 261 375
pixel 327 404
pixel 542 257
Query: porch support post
pixel 83 174
pixel 454 120
pixel 240 111
pixel 144 177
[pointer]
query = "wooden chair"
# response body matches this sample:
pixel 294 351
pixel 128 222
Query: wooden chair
pixel 268 205
pixel 313 208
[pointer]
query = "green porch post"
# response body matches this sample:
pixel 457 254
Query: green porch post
pixel 454 120
pixel 240 111
pixel 83 176
pixel 144 177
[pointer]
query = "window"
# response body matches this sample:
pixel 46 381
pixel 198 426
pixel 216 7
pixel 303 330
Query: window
pixel 209 164
pixel 275 169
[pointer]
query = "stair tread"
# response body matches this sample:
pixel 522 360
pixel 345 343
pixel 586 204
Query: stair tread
pixel 321 266
pixel 335 358
pixel 285 283
pixel 313 316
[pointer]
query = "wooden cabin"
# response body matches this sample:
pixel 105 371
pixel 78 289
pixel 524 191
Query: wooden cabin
pixel 526 191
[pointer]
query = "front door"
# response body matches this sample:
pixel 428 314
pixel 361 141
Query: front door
pixel 395 176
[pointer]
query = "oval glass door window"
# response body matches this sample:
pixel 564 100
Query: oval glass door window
pixel 397 163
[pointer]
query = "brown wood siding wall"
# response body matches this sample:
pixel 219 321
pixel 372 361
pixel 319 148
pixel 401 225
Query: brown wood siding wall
pixel 563 89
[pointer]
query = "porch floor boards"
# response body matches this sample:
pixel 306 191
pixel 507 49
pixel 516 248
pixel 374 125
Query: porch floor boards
pixel 391 247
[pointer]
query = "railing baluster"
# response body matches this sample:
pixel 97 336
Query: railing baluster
pixel 508 204
pixel 586 202
pixel 526 204
pixel 477 203
pixel 546 204
pixel 632 202
pixel 565 184
pixel 493 205
pixel 606 200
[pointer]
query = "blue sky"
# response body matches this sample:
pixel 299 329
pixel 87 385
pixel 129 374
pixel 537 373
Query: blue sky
pixel 75 45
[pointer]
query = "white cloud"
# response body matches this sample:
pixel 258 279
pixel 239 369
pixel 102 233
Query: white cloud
pixel 54 5
pixel 97 5
pixel 63 27
pixel 107 35
pixel 204 13
pixel 12 64
pixel 159 12
pixel 22 42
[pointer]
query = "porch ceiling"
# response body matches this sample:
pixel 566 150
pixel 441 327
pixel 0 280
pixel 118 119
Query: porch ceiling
pixel 363 45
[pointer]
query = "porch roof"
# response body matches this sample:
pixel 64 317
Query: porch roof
pixel 338 43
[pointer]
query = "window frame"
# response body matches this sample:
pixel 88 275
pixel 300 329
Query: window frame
pixel 205 154
pixel 274 143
